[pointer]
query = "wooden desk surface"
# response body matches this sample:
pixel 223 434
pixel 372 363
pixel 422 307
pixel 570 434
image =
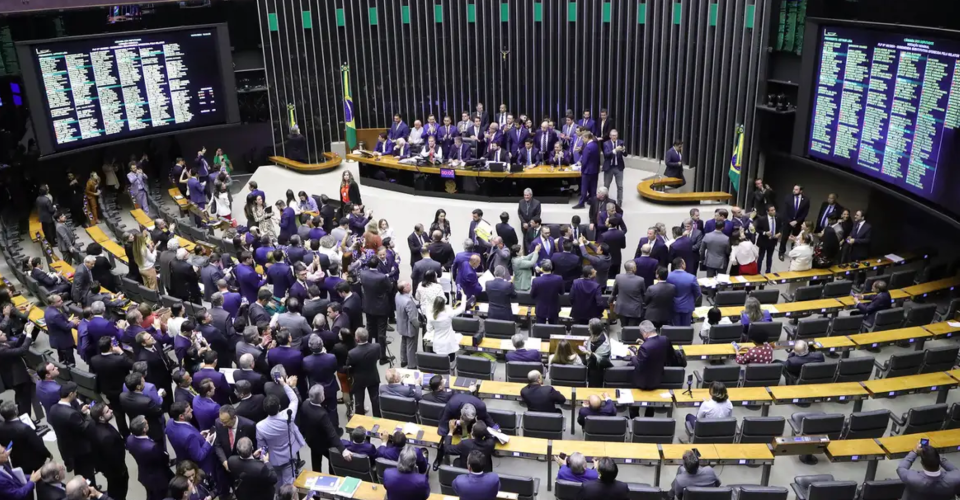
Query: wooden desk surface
pixel 943 329
pixel 885 387
pixel 115 249
pixel 810 274
pixel 737 451
pixel 807 306
pixel 332 161
pixel 708 350
pixel 901 445
pixel 868 339
pixel 924 289
pixel 895 295
pixel 628 451
pixel 736 395
pixel 365 491
pixel 517 444
pixel 647 190
pixel 589 449
pixel 538 172
pixel 854 448
pixel 674 452
pixel 512 389
pixel 955 374
pixel 97 234
pixel 799 392
pixel 142 218
pixel 662 396
pixel 178 197
pixel 833 343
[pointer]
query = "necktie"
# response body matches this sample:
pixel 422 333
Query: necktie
pixel 796 204
pixel 543 142
pixel 230 433
pixel 528 157
pixel 826 213
pixel 614 152
pixel 773 228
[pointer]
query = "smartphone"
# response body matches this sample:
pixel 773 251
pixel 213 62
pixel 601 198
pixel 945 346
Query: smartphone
pixel 9 447
pixel 923 442
pixel 736 347
pixel 696 452
pixel 562 455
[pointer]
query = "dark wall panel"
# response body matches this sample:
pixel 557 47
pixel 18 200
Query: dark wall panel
pixel 664 69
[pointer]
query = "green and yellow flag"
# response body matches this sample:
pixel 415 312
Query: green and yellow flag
pixel 351 135
pixel 736 160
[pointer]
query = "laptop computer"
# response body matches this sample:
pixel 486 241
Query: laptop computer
pixel 497 166
pixel 516 168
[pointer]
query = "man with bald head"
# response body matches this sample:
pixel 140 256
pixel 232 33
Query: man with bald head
pixel 440 250
pixel 646 264
pixel 800 356
pixel 499 254
pixel 408 325
pixel 597 406
pixel 467 277
pixel 78 489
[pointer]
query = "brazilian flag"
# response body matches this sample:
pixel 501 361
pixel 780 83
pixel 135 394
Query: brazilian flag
pixel 351 135
pixel 736 161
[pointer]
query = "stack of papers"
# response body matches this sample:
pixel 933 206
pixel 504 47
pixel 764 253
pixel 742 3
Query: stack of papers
pixel 625 397
pixel 411 428
pixel 894 257
pixel 228 374
pixel 348 486
pixel 532 344
pixel 769 308
pixel 738 279
pixel 723 279
pixel 953 324
pixel 484 278
pixel 409 377
pixel 322 483
pixel 701 312
pixel 618 350
pixel 708 282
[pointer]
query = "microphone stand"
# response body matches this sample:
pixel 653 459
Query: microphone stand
pixel 689 390
pixel 293 460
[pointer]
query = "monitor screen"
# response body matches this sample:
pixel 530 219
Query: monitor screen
pixel 93 90
pixel 886 104
pixel 447 173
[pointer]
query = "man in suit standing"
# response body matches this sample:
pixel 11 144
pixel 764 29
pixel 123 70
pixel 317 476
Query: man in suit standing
pixel 658 301
pixel 247 277
pixel 682 248
pixel 29 452
pixel 769 228
pixel 82 279
pixel 135 403
pixel 482 115
pixel 399 129
pixel 646 265
pixel 616 239
pixel 674 161
pixel 184 282
pixel 67 240
pixel 939 478
pixel 589 169
pixel 798 206
pixel 109 452
pixel 60 330
pixel 715 252
pixel 416 242
pixel 627 297
pixel 426 263
pixel 467 277
pixel 761 197
pixel 279 434
pixel 168 254
pixel 111 366
pixel 151 457
pixel 46 212
pixel 648 361
pixel 506 232
pixel 859 238
pixel 539 397
pixel 10 486
pixel 187 442
pixel 613 153
pixel 500 295
pixel 376 304
pixel 658 249
pixel 477 485
pixel 566 264
pixel 72 426
pixel 252 476
pixel 545 292
pixel 688 292
pixel 230 428
pixel 249 405
pixel 408 325
pixel 828 208
pixel 527 209
pixel 159 365
pixel 13 368
pixel 362 365
pixel 604 126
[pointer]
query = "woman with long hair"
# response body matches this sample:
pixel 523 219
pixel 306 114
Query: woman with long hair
pixel 597 352
pixel 384 229
pixel 440 223
pixel 427 292
pixel 145 258
pixel 349 192
pixel 446 342
pixel 195 478
pixel 744 254
pixel 292 201
pixel 565 355
pixel 222 199
pixel 133 272
pixel 753 313
pixel 371 237
pixel 307 203
pixel 263 218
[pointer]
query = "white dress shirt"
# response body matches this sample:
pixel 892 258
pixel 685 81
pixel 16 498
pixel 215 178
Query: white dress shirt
pixel 416 136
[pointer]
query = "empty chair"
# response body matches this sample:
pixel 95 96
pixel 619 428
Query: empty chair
pixel 723 334
pixel 86 384
pixel 762 375
pixel 630 334
pixel 524 299
pixel 919 315
pixel 568 375
pixel 698 493
pixel 729 375
pixel 900 365
pixel 542 425
pixel 447 474
pixel 640 491
pixel 920 419
pixel 678 335
pixel 499 329
pixel 730 298
pixel 771 328
pixel 939 359
pixel 756 430
pixel 953 419
pixel 610 429
pixel 886 489
pixel 398 408
pixel 475 367
pixel 816 424
pixel 566 490
pixel 517 370
pixel 382 464
pixel 901 279
pixel 359 467
pixel 148 295
pixel 618 376
pixel 673 377
pixel 544 332
pixel 525 487
pixel 430 413
pixel 712 430
pixel 837 289
pixel 949 311
pixel 888 319
pixel 855 369
pixel 653 430
pixel 823 487
pixel 814 373
pixel 753 492
pixel 842 326
pixel 506 419
pixel 429 362
pixel 809 292
pixel 466 325
pixel 770 296
pixel 808 328
pixel 866 424
pixel 579 330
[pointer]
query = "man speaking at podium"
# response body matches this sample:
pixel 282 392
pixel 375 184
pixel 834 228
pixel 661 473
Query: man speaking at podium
pixel 674 162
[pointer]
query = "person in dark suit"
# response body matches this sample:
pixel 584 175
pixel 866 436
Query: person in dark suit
pixel 440 250
pixel 183 390
pixel 209 371
pixel 859 237
pixel 761 197
pixel 480 440
pixel 111 366
pixel 60 330
pixel 184 282
pixel 205 409
pixel 159 365
pixel 11 487
pixel 658 248
pixel 607 487
pixel 210 274
pixel 797 209
pixel 613 152
pixel 415 242
pixel 616 239
pixel 438 393
pixel 109 451
pixel 566 264
pixel 135 403
pixel 879 301
pixel 688 292
pixel 539 397
pixel 828 208
pixel 800 356
pixel 939 478
pixel 425 263
pixel 477 485
pixel 247 278
pixel 153 468
pixel 769 229
pixel 519 353
pixel 250 405
pixel 500 294
pixel 351 305
pixel 13 368
pixel 72 426
pixel 405 481
pixel 230 429
pixel 252 475
pixel 649 359
pixel 46 212
pixel 527 209
pixel 604 125
pixel 51 486
pixel 589 170
pixel 527 155
pixel 246 371
pixel 29 452
pixel 53 282
pixel 646 265
pixel 586 297
pixel 682 248
pixel 545 292
pixel 376 304
pixel 597 406
pixel 463 409
pixel 659 299
pixel 362 365
pixel 320 431
pixel 674 161
pixel 627 297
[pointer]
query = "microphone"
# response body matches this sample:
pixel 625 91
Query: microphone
pixel 689 385
pixel 290 412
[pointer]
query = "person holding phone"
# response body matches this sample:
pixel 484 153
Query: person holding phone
pixel 939 478
pixel 691 473
pixel 573 468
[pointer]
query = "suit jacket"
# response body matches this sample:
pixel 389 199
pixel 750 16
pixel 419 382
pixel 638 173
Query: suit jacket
pixel 108 446
pixel 273 432
pixel 683 247
pixel 110 370
pixel 59 329
pixel 877 303
pixel 318 430
pixel 860 249
pixel 45 210
pixel 50 491
pixel 81 284
pixel 628 292
pixel 918 485
pixel 568 266
pixel 762 225
pixel 659 250
pixel 528 210
pixel 527 157
pixel 72 428
pixel 649 362
pixel 252 408
pixel 658 302
pixel 586 300
pixel 795 363
pixel 452 411
pixel 711 226
pixel 159 367
pixel 590 159
pixel 415 242
pixel 545 292
pixel 281 277
pixel 362 364
pixel 477 486
pixel 825 211
pixel 647 268
pixel 297 325
pixel 135 404
pixel 209 275
pixel 12 488
pixel 611 157
pixel 674 163
pixel 252 479
pixel 598 490
pixel 13 369
pixel 188 444
pixel 547 247
pixel 166 259
pixel 28 451
pixel 205 411
pixel 398 130
pixel 249 282
pixel 405 486
pixel 715 251
pixel 688 291
pixel 443 253
pixel 255 378
pixel 543 398
pixel 797 210
pixel 527 355
pixel 246 428
pixel 402 391
pixel 223 391
pixel 500 294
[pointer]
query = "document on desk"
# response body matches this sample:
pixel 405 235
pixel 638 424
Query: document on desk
pixel 483 306
pixel 624 397
pixel 532 344
pixel 322 483
pixel 409 377
pixel 503 438
pixel 701 312
pixel 506 345
pixel 708 282
pixel 894 258
pixel 769 308
pixel 738 279
pixel 411 428
pixel 228 374
pixel 953 324
pixel 618 350
pixel 723 279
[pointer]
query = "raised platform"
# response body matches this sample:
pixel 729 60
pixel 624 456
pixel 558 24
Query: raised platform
pixel 333 161
pixel 647 190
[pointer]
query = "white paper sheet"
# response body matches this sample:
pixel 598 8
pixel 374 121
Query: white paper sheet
pixel 626 397
pixel 228 374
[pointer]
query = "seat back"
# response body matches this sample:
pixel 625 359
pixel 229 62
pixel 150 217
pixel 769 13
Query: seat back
pixel 809 292
pixel 382 464
pixel 129 287
pixel 475 367
pixel 730 298
pixel 867 424
pixel 543 425
pixel 148 295
pixel 886 489
pixel 618 376
pixel 631 334
pixel 447 475
pixel 756 430
pixel 678 335
pixel 900 365
pixel 846 325
pixel 499 329
pixel 525 487
pixel 938 359
pixel 358 467
pixel 901 279
pixel 920 315
pixel 580 330
pixel 729 375
pixel 506 419
pixel 771 296
pixel 524 299
pixel 398 408
pixel 809 328
pixel 752 492
pixel 429 362
pixel 566 490
pixel 771 328
pixel 637 491
pixel 888 319
pixel 466 325
pixel 837 289
pixel 517 370
pixel 714 430
pixel 924 419
pixel 610 429
pixel 832 490
pixel 544 332
pixel 817 373
pixel 698 493
pixel 673 377
pixel 86 383
pixel 829 424
pixel 430 413
pixel 951 311
pixel 953 422
pixel 568 375
pixel 724 334
pixel 868 283
pixel 653 430
pixel 855 369
pixel 762 375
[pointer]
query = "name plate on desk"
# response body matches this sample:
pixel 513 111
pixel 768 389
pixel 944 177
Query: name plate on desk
pixel 800 445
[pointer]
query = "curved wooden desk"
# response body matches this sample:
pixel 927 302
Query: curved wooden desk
pixel 333 161
pixel 647 190
pixel 537 172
